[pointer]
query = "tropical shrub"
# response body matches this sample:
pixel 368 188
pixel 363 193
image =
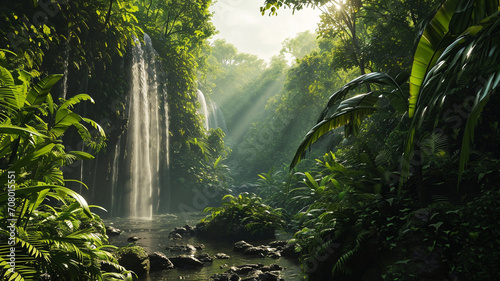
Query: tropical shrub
pixel 241 217
pixel 274 187
pixel 47 227
pixel 395 239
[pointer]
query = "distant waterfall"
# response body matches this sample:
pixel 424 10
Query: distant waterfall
pixel 217 119
pixel 211 112
pixel 147 107
pixel 204 108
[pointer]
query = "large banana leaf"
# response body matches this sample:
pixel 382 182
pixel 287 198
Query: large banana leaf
pixel 369 78
pixel 14 130
pixel 453 19
pixel 468 65
pixel 481 101
pixel 64 119
pixel 348 112
pixel 11 95
pixel 39 92
pixel 435 38
pixel 76 99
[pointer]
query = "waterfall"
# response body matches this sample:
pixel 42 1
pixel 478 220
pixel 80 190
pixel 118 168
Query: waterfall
pixel 213 120
pixel 211 112
pixel 217 119
pixel 138 178
pixel 204 108
pixel 143 135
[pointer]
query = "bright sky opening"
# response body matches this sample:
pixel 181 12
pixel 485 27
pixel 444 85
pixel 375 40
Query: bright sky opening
pixel 240 23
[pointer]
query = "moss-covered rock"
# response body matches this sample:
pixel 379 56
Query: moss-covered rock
pixel 134 258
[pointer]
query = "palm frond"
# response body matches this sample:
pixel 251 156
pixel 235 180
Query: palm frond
pixel 468 66
pixel 454 19
pixel 434 39
pixel 369 78
pixel 347 116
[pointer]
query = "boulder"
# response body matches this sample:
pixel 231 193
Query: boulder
pixel 134 258
pixel 186 262
pixel 190 230
pixel 270 276
pixel 256 251
pixel 199 247
pixel 288 251
pixel 132 239
pixel 271 267
pixel 241 246
pixel 181 248
pixel 175 236
pixel 159 261
pixel 243 269
pixel 274 254
pixel 222 256
pixel 224 277
pixel 252 276
pixel 112 231
pixel 260 251
pixel 278 243
pixel 184 231
pixel 180 230
pixel 257 272
pixel 204 257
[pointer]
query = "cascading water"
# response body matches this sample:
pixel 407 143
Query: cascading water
pixel 217 119
pixel 211 112
pixel 204 108
pixel 144 134
pixel 214 122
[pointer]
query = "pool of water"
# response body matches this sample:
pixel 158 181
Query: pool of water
pixel 153 237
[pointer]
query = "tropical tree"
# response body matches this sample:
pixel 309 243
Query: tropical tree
pixel 301 45
pixel 370 35
pixel 455 57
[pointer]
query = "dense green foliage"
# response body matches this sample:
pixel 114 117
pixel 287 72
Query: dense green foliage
pixel 62 239
pixel 408 189
pixel 380 209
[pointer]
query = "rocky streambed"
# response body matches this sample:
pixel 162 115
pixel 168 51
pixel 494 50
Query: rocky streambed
pixel 170 250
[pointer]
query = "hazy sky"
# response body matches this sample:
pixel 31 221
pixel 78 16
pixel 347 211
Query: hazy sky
pixel 240 23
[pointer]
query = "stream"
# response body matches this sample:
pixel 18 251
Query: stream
pixel 153 237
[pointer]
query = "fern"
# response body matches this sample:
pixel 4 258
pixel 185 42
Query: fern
pixel 343 263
